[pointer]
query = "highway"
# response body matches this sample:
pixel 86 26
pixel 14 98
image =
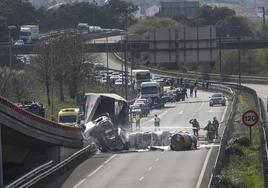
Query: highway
pixel 153 168
pixel 149 169
pixel 112 60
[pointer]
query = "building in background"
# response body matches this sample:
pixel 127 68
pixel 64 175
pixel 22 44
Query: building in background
pixel 152 10
pixel 179 8
pixel 193 46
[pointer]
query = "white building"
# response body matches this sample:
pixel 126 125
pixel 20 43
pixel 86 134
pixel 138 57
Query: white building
pixel 151 11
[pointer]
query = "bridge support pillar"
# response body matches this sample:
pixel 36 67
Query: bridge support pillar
pixel 136 59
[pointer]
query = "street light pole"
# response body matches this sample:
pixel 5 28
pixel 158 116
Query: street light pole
pixel 107 65
pixel 125 57
pixel 239 63
pixel 220 58
pixel 10 44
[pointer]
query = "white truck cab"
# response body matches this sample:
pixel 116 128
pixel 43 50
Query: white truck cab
pixel 28 33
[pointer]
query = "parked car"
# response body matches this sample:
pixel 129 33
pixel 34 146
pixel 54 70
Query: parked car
pixel 135 109
pixel 144 105
pixel 217 98
pixel 19 43
pixel 169 96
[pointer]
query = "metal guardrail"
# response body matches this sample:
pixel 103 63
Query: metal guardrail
pixel 35 179
pixel 221 154
pixel 263 128
pixel 23 179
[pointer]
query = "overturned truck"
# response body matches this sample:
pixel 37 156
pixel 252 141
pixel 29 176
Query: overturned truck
pixel 112 138
pixel 107 122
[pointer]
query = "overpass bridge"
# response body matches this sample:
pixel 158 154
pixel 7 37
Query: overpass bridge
pixel 146 45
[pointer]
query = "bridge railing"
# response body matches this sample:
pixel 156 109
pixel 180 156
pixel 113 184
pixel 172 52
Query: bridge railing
pixel 27 177
pixel 46 176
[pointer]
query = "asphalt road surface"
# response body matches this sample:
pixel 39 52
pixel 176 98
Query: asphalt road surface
pixel 155 169
pixel 262 90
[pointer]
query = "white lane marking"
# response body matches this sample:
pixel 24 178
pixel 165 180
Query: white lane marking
pixel 157 159
pixel 200 178
pixel 225 110
pixel 201 106
pixel 150 168
pixel 141 178
pixel 79 183
pixel 95 171
pixel 108 160
pixel 181 112
pixel 211 110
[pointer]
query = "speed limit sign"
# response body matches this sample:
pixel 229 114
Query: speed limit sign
pixel 250 118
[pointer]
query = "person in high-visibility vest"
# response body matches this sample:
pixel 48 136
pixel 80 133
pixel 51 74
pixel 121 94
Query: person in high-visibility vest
pixel 156 123
pixel 138 120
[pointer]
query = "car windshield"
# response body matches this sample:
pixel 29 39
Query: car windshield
pixel 217 95
pixel 143 76
pixel 67 119
pixel 149 90
pixel 24 33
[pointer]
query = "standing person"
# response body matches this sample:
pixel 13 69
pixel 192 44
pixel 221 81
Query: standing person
pixel 138 120
pixel 216 126
pixel 184 92
pixel 191 91
pixel 196 126
pixel 156 123
pixel 195 91
pixel 210 131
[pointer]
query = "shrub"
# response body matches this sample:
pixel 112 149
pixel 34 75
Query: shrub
pixel 234 149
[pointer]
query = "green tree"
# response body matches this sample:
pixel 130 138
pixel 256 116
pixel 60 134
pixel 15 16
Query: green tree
pixel 16 12
pixel 207 15
pixel 115 13
pixel 234 26
pixel 143 26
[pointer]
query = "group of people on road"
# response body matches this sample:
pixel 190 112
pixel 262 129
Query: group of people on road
pixel 211 128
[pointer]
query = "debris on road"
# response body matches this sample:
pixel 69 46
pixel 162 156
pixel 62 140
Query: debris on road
pixel 112 138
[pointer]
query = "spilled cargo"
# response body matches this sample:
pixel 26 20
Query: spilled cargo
pixel 113 138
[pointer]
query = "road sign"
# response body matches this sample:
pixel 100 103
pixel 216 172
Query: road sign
pixel 250 118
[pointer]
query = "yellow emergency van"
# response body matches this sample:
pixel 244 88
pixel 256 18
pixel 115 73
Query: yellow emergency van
pixel 69 116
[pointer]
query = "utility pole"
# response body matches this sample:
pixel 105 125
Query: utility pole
pixel 125 57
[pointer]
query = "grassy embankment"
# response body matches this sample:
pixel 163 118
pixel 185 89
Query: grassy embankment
pixel 242 171
pixel 39 93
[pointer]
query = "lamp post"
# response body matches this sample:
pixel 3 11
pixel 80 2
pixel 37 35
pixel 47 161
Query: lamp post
pixel 107 66
pixel 220 58
pixel 239 63
pixel 10 27
pixel 125 57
